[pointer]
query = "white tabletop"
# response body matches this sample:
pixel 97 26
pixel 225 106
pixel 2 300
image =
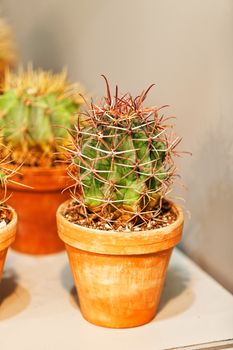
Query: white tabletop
pixel 38 310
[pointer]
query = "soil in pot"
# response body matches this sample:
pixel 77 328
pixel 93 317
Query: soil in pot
pixel 119 275
pixel 36 208
pixel 8 221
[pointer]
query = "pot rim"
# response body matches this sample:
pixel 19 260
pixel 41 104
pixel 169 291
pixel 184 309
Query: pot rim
pixel 7 233
pixel 40 179
pixel 114 242
pixel 27 169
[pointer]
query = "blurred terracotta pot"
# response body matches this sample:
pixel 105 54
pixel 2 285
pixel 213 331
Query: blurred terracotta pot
pixel 36 208
pixel 7 236
pixel 119 276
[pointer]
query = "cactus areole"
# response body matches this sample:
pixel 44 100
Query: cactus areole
pixel 36 108
pixel 122 164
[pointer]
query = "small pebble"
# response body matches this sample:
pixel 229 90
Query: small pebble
pixel 2 224
pixel 107 226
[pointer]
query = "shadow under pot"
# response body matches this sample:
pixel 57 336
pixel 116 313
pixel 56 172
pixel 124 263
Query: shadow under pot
pixel 119 275
pixel 36 207
pixel 7 237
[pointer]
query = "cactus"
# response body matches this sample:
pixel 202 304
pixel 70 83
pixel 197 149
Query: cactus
pixel 121 161
pixel 7 51
pixel 36 108
pixel 6 174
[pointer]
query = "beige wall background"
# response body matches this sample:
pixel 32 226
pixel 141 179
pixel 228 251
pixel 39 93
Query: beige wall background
pixel 185 47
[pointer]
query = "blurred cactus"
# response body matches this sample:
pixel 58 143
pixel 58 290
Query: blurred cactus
pixel 36 108
pixel 6 174
pixel 122 163
pixel 7 50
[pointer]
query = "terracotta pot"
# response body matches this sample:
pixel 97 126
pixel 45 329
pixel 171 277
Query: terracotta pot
pixel 119 276
pixel 7 236
pixel 36 208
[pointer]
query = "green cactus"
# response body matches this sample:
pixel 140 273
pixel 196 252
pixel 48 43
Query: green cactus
pixel 36 109
pixel 122 162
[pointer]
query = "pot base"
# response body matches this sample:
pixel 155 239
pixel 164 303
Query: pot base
pixel 121 326
pixel 36 206
pixel 118 291
pixel 37 231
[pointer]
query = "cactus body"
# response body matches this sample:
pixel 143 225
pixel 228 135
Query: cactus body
pixel 36 108
pixel 122 161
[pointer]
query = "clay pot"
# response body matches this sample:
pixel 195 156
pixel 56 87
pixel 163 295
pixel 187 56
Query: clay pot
pixel 36 208
pixel 119 276
pixel 7 236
